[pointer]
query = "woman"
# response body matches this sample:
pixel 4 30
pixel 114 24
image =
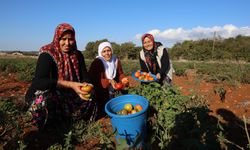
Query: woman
pixel 55 95
pixel 154 58
pixel 105 72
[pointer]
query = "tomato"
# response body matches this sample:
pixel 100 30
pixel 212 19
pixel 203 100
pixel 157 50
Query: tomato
pixel 118 86
pixel 128 107
pixel 137 74
pixel 138 107
pixel 141 77
pixel 87 88
pixel 85 97
pixel 122 112
pixel 150 78
pixel 133 111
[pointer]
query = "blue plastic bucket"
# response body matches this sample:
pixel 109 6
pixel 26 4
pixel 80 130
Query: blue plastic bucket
pixel 130 129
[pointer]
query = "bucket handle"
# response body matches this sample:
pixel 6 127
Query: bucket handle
pixel 127 137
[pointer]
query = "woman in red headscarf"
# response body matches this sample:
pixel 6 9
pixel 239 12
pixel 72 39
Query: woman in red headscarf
pixel 55 95
pixel 154 59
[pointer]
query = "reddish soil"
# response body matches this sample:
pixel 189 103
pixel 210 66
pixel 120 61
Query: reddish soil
pixel 237 98
pixel 236 101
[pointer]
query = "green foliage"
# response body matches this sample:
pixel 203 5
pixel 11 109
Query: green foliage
pixel 127 50
pixel 67 141
pixel 216 71
pixel 236 49
pixel 82 131
pixel 91 50
pixel 10 127
pixel 25 67
pixel 130 66
pixel 176 120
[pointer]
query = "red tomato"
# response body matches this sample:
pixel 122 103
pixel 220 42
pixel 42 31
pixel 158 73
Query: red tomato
pixel 118 86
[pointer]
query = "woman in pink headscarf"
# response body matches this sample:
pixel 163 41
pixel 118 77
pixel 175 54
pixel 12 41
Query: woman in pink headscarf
pixel 59 75
pixel 105 71
pixel 154 58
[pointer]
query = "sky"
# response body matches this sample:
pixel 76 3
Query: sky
pixel 27 25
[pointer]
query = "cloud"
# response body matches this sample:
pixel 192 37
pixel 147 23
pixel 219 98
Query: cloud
pixel 172 36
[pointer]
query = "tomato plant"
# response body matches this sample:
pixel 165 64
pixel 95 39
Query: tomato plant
pixel 172 115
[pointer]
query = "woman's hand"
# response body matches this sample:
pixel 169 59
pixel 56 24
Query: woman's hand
pixel 112 82
pixel 158 76
pixel 76 86
pixel 125 81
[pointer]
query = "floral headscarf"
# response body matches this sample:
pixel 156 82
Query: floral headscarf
pixel 150 55
pixel 63 60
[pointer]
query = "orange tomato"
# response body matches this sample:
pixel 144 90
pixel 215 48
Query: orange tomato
pixel 87 88
pixel 138 107
pixel 150 78
pixel 137 74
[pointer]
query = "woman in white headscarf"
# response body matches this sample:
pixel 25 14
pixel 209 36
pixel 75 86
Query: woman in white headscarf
pixel 105 71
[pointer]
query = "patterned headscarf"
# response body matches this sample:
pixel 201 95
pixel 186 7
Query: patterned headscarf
pixel 63 60
pixel 150 55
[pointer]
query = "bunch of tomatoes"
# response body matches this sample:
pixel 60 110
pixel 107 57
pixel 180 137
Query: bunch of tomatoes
pixel 130 109
pixel 120 85
pixel 144 76
pixel 88 88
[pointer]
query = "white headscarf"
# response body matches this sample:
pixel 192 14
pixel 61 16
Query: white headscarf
pixel 111 65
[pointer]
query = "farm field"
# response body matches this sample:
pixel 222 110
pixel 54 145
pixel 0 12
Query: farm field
pixel 227 104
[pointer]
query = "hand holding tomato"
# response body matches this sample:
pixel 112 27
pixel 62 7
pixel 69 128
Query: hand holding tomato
pixel 158 76
pixel 118 86
pixel 125 81
pixel 85 97
pixel 87 88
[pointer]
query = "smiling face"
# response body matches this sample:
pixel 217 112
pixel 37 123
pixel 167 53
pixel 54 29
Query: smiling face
pixel 107 53
pixel 67 42
pixel 148 44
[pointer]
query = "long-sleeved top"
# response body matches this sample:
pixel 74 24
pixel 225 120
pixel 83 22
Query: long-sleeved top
pixel 162 63
pixel 46 75
pixel 101 82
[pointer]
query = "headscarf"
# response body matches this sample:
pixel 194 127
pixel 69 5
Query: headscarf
pixel 63 60
pixel 109 66
pixel 150 55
